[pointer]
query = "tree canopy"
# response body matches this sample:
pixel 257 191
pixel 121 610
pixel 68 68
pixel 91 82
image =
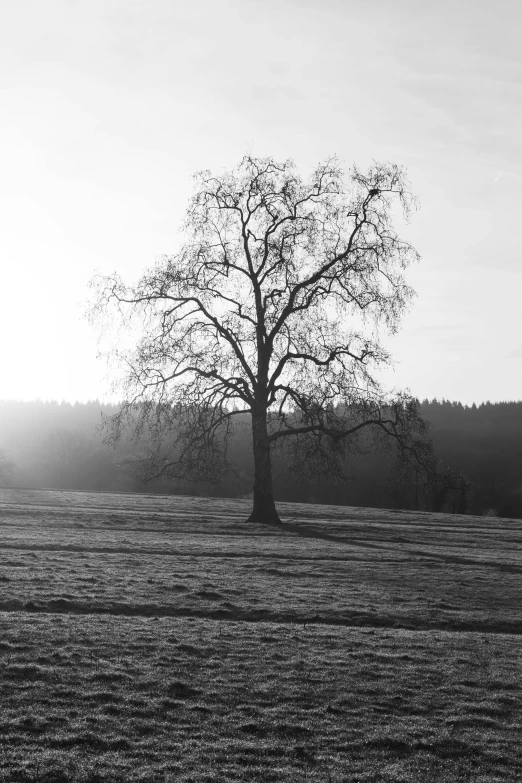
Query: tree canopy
pixel 272 307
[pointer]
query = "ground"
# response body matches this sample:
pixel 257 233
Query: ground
pixel 159 638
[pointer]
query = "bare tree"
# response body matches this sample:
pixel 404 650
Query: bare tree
pixel 271 308
pixel 430 483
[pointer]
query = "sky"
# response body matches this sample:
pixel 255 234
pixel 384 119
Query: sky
pixel 110 106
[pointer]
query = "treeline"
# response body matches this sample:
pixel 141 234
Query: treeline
pixel 482 443
pixel 59 445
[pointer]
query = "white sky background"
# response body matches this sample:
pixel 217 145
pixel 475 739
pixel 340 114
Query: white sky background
pixel 109 106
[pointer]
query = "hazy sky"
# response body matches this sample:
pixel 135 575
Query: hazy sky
pixel 109 106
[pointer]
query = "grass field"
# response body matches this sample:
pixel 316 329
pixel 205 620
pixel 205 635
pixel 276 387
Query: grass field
pixel 154 638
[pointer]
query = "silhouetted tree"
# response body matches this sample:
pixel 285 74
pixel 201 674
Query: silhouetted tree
pixel 434 485
pixel 265 310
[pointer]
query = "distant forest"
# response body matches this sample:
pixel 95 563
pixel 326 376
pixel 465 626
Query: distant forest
pixel 58 445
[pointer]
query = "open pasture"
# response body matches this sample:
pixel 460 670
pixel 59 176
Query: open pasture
pixel 155 638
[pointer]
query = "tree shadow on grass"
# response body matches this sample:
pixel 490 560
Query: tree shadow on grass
pixel 511 568
pixel 314 533
pixel 319 535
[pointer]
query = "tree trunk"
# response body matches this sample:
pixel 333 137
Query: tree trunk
pixel 264 510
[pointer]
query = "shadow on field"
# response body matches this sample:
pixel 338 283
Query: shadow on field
pixel 319 535
pixel 314 533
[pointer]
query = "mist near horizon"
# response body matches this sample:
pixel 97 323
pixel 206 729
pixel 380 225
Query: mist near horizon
pixel 62 445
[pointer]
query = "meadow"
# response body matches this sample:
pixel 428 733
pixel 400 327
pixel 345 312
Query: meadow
pixel 159 638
